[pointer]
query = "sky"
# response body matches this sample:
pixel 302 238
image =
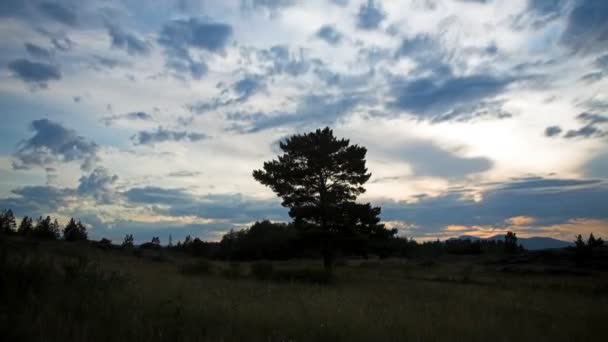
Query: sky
pixel 148 118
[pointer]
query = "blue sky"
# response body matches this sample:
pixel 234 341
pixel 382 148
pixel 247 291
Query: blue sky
pixel 479 116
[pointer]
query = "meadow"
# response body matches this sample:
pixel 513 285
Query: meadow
pixel 61 291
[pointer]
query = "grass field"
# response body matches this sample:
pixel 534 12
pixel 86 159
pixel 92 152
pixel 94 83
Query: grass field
pixel 58 291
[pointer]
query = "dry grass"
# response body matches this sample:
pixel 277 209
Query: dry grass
pixel 391 300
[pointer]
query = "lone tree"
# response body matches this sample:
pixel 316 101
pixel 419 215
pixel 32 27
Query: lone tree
pixel 319 177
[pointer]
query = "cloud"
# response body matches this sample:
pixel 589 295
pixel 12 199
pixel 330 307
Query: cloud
pixel 132 116
pixel 59 12
pixel 283 61
pixel 184 174
pixel 35 200
pixel 370 15
pixel 329 34
pixel 270 5
pixel 128 41
pixel 163 135
pixel 548 201
pixel 53 143
pixel 553 131
pixel 430 98
pixel 520 220
pixel 99 184
pixel 597 166
pixel 426 159
pixel 178 36
pixel 588 131
pixel 34 73
pixel 37 52
pixel 12 8
pixel 317 109
pixel 233 207
pixel 587 28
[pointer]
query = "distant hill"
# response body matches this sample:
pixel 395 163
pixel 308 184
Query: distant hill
pixel 531 243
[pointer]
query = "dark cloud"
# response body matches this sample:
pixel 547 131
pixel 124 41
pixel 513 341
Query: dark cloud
pixel 132 116
pixel 429 160
pixel 545 200
pixel 99 184
pixel 592 77
pixel 370 15
pixel 545 183
pixel 53 143
pixel 248 86
pixel 329 34
pixel 429 98
pixel 270 5
pixel 317 109
pixel 34 73
pixel 592 118
pixel 59 12
pixel 62 43
pixel 587 28
pixel 35 200
pixel 282 60
pixel 184 174
pixel 128 41
pixel 553 131
pixel 590 129
pixel 178 36
pixel 12 8
pixel 238 92
pixel 426 159
pixel 341 3
pixel 602 62
pixel 37 52
pixel 163 135
pixel 597 166
pixel 421 46
pixel 233 207
pixel 475 111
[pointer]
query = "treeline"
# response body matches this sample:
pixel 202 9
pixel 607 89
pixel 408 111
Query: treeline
pixel 43 228
pixel 266 240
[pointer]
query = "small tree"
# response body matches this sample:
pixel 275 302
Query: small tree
pixel 75 231
pixel 155 240
pixel 128 241
pixel 510 242
pixel 7 222
pixel 26 227
pixel 319 177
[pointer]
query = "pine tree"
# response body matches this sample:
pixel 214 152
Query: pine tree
pixel 319 177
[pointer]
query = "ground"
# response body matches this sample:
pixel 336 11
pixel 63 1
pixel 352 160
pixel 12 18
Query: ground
pixel 59 291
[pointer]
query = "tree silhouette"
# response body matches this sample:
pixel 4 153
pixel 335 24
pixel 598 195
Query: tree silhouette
pixel 26 227
pixel 510 242
pixel 74 231
pixel 128 241
pixel 319 177
pixel 7 222
pixel 46 229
